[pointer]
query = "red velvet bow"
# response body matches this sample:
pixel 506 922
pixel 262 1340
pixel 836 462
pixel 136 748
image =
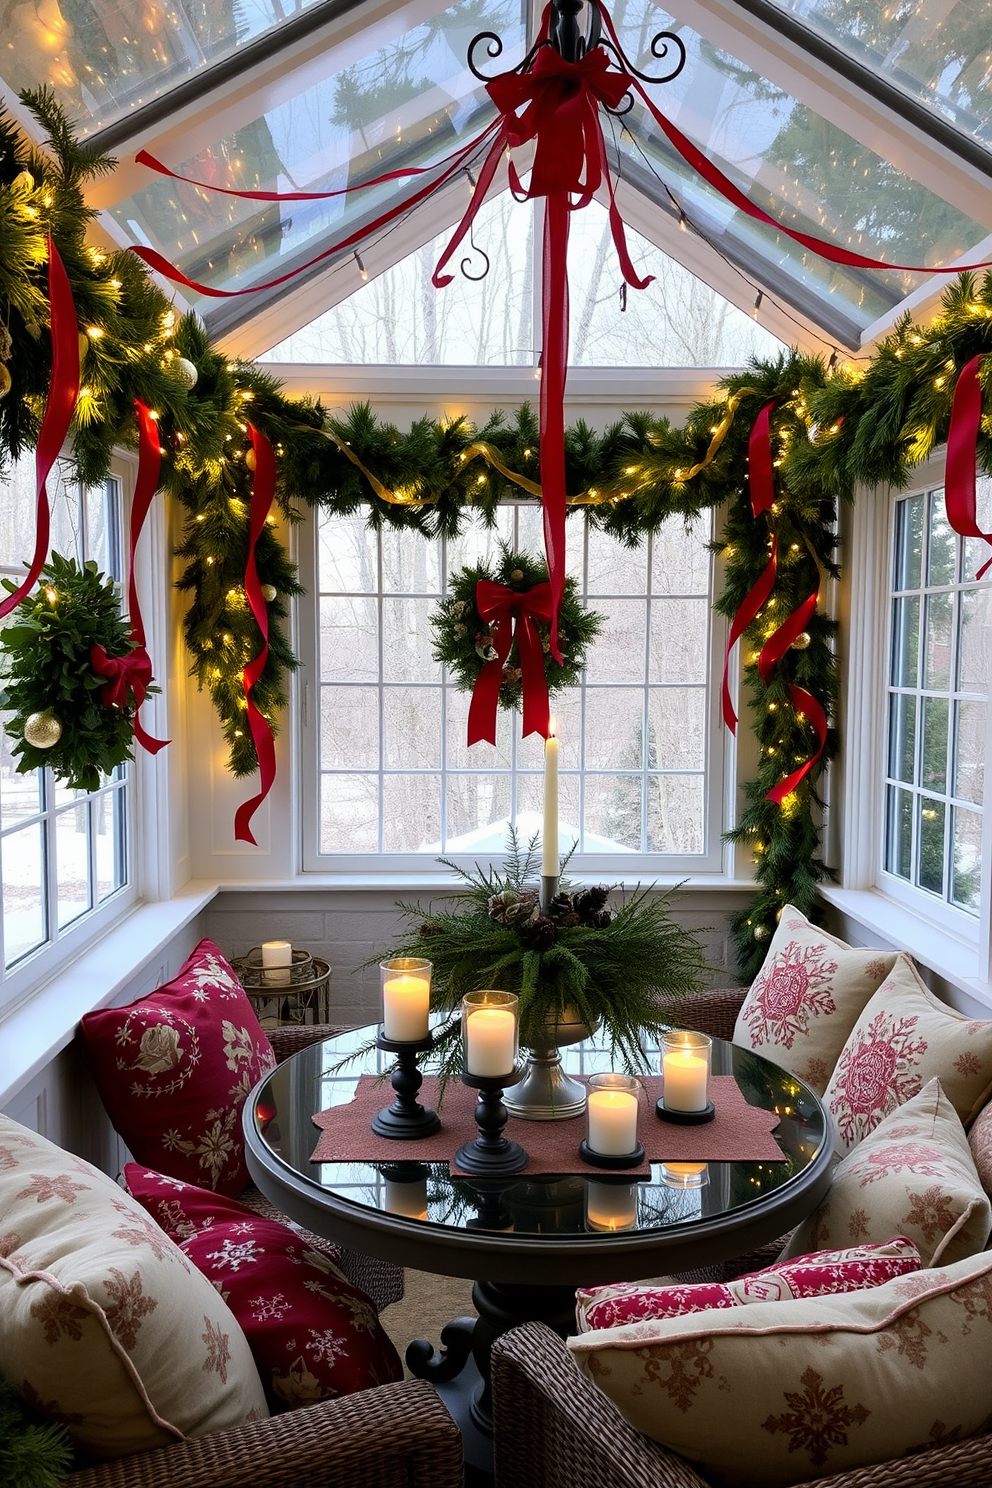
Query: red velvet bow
pixel 499 607
pixel 132 672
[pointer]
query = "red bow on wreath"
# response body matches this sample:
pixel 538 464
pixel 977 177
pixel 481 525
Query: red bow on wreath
pixel 131 672
pixel 500 607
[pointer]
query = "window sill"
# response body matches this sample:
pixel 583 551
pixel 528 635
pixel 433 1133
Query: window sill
pixel 395 880
pixel 37 1029
pixel 954 960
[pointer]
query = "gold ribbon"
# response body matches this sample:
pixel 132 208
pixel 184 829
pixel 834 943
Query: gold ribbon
pixel 719 433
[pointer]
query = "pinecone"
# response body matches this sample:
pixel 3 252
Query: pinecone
pixel 589 900
pixel 429 928
pixel 568 921
pixel 540 934
pixel 560 905
pixel 599 919
pixel 512 908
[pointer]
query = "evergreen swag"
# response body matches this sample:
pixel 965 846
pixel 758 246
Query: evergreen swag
pixel 34 1452
pixel 45 653
pixel 616 967
pixel 464 643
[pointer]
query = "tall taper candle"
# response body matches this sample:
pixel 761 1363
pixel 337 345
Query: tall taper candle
pixel 549 840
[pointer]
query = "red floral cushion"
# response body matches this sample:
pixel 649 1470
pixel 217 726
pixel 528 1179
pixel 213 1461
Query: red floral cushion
pixel 312 1334
pixel 173 1070
pixel 817 1275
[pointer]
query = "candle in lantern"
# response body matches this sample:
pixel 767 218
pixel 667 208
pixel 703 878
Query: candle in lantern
pixel 406 1001
pixel 685 1065
pixel 610 1206
pixel 612 1109
pixel 277 962
pixel 490 1041
pixel 549 839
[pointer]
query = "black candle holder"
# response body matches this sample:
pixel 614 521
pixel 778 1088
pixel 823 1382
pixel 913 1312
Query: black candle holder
pixel 491 1155
pixel 406 1119
pixel 685 1118
pixel 611 1159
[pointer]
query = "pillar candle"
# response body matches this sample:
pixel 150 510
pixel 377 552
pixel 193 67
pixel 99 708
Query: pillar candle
pixel 409 1200
pixel 685 1174
pixel 406 1001
pixel 490 1037
pixel 612 1121
pixel 610 1206
pixel 549 838
pixel 277 962
pixel 685 1074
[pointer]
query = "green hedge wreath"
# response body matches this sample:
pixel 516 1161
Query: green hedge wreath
pixel 463 641
pixel 48 683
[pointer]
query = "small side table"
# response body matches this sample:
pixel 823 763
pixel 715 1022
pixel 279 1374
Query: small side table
pixel 288 995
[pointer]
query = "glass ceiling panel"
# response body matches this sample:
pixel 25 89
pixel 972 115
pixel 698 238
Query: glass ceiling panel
pixel 407 104
pixel 105 59
pixel 400 319
pixel 801 168
pixel 940 51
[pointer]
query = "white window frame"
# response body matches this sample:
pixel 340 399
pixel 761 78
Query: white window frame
pixel 713 862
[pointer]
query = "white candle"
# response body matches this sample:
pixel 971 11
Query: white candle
pixel 489 1041
pixel 277 961
pixel 549 839
pixel 406 1199
pixel 685 1074
pixel 610 1206
pixel 612 1121
pixel 406 1001
pixel 685 1174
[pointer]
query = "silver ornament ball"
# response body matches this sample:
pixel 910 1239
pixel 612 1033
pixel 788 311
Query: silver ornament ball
pixel 761 932
pixel 42 730
pixel 802 641
pixel 185 372
pixel 269 592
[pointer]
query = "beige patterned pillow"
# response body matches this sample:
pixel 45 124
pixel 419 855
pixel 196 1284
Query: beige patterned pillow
pixel 777 1393
pixel 913 1176
pixel 905 1037
pixel 980 1142
pixel 104 1324
pixel 806 998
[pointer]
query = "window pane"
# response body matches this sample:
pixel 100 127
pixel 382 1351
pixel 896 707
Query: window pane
pixel 617 653
pixel 409 567
pixel 934 762
pixel 20 795
pixel 614 569
pixel 975 550
pixel 23 862
pixel 477 543
pixel 969 775
pixel 905 641
pixel 613 810
pixel 902 735
pixel 675 813
pixel 930 874
pixel 108 815
pixel 411 728
pixel 530 812
pixel 72 862
pixel 677 737
pixel 349 813
pixel 943 543
pixel 407 641
pixel 101 505
pixel 349 640
pixel 909 542
pixel 615 728
pixel 349 728
pixel 680 561
pixel 966 868
pixel 347 550
pixel 678 640
pixel 899 832
pixel 411 813
pixel 975 640
pixel 481 756
pixel 474 802
pixel 937 650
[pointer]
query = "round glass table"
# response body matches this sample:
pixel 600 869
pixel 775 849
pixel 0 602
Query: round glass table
pixel 527 1242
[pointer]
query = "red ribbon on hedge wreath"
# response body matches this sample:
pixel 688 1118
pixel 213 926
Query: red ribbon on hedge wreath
pixel 747 612
pixel 263 490
pixel 806 706
pixel 804 702
pixel 962 436
pixel 62 394
pixel 500 607
pixel 131 672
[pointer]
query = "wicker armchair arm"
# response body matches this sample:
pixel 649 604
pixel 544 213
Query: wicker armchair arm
pixel 713 1011
pixel 965 1464
pixel 396 1436
pixel 554 1429
pixel 290 1037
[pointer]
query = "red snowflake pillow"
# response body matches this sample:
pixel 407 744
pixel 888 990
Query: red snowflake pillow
pixel 806 998
pixel 904 1038
pixel 818 1275
pixel 312 1334
pixel 173 1070
pixel 913 1176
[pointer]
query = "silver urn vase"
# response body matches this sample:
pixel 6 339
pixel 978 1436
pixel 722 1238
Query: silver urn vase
pixel 546 1093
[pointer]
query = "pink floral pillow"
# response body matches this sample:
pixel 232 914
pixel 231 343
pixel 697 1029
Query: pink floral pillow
pixel 904 1038
pixel 173 1070
pixel 806 998
pixel 817 1275
pixel 312 1334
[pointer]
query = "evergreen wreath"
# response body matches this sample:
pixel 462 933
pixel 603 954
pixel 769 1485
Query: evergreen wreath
pixel 46 670
pixel 464 642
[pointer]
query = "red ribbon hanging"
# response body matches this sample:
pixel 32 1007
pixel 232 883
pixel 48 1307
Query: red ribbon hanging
pixel 62 395
pixel 761 480
pixel 762 487
pixel 962 436
pixel 263 490
pixel 806 706
pixel 804 702
pixel 779 642
pixel 500 607
pixel 747 612
pixel 132 672
pixel 149 467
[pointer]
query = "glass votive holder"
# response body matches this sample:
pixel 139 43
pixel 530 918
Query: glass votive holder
pixel 685 1174
pixel 277 963
pixel 685 1065
pixel 406 999
pixel 490 1035
pixel 611 1108
pixel 610 1206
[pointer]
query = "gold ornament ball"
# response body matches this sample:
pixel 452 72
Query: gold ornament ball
pixel 269 592
pixel 42 730
pixel 185 372
pixel 802 641
pixel 84 345
pixel 6 381
pixel 516 576
pixel 761 932
pixel 250 459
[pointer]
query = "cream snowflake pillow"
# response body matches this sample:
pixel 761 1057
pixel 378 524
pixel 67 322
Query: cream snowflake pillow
pixel 905 1037
pixel 913 1176
pixel 807 997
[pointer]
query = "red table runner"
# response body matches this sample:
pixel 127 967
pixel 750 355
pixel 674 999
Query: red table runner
pixel 737 1133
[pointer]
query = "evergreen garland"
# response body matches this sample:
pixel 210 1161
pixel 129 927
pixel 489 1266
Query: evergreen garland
pixel 463 641
pixel 34 1452
pixel 46 670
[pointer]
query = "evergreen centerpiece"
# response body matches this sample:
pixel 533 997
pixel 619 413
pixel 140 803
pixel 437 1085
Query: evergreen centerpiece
pixel 580 962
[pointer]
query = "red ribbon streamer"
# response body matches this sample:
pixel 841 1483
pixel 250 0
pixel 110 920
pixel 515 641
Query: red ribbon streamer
pixel 500 607
pixel 144 158
pixel 263 490
pixel 959 482
pixel 62 395
pixel 747 612
pixel 131 672
pixel 778 643
pixel 149 466
pixel 806 705
pixel 761 481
